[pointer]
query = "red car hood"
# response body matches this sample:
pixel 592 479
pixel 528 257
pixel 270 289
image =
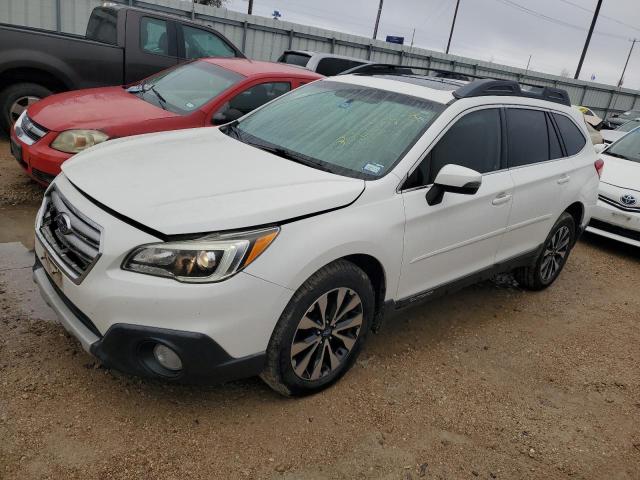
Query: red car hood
pixel 94 108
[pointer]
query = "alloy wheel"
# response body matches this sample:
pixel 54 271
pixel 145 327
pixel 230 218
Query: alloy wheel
pixel 326 334
pixel 20 105
pixel 555 253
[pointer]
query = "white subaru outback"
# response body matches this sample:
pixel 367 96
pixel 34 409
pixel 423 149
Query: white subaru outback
pixel 274 244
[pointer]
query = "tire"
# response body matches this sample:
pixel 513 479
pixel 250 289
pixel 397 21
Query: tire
pixel 557 247
pixel 303 356
pixel 16 96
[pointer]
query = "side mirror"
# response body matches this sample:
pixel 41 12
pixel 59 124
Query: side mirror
pixel 454 179
pixel 226 116
pixel 599 147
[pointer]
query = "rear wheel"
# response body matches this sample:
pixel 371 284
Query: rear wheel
pixel 16 99
pixel 321 332
pixel 552 258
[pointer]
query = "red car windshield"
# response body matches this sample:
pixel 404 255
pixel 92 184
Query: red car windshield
pixel 185 88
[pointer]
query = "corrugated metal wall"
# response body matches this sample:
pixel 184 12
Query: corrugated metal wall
pixel 265 39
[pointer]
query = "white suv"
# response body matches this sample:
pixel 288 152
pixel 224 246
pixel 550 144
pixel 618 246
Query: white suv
pixel 274 244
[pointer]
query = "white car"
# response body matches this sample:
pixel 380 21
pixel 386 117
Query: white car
pixel 327 64
pixel 274 244
pixel 617 214
pixel 610 136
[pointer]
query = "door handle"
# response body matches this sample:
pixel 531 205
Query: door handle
pixel 564 179
pixel 501 198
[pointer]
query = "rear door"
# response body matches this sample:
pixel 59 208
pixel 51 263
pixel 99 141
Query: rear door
pixel 151 45
pixel 541 175
pixel 459 236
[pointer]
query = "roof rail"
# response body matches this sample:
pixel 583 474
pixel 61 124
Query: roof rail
pixel 485 87
pixel 480 86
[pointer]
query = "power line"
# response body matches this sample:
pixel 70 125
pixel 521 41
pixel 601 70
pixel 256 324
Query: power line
pixel 620 22
pixel 554 20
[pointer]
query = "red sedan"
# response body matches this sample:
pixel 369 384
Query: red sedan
pixel 205 92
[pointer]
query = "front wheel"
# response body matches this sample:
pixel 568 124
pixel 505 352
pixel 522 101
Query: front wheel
pixel 552 257
pixel 321 331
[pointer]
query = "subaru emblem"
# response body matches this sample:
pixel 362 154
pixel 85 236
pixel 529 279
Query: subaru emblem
pixel 63 222
pixel 628 199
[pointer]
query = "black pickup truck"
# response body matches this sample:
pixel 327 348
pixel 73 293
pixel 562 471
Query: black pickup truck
pixel 122 45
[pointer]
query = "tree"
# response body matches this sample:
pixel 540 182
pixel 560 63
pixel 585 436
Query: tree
pixel 565 73
pixel 212 3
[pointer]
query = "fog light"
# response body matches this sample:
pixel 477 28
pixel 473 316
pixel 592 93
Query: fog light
pixel 167 357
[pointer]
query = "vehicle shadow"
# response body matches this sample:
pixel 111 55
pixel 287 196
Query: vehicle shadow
pixel 610 246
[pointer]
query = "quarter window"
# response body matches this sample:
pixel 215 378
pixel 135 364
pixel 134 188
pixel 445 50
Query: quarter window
pixel 555 151
pixel 153 36
pixel 200 43
pixel 473 142
pixel 574 141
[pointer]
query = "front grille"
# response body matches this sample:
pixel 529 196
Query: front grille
pixel 71 238
pixel 42 176
pixel 32 130
pixel 607 227
pixel 619 205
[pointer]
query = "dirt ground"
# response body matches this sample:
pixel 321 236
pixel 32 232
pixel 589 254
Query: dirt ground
pixel 492 382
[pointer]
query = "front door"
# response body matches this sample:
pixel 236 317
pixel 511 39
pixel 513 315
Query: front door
pixel 459 236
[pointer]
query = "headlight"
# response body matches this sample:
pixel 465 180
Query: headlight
pixel 74 141
pixel 208 259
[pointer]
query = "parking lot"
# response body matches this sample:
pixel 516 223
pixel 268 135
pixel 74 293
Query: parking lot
pixel 491 382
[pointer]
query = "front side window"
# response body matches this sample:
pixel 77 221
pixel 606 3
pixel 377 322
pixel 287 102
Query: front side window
pixel 347 129
pixel 256 96
pixel 153 36
pixel 200 43
pixel 627 148
pixel 187 87
pixel 574 141
pixel 473 142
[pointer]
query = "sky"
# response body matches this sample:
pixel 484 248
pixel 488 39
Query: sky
pixel 553 32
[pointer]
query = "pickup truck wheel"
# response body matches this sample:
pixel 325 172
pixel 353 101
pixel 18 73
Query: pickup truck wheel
pixel 16 98
pixel 552 257
pixel 321 331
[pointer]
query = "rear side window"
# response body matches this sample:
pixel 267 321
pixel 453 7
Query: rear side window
pixel 473 142
pixel 102 26
pixel 294 59
pixel 574 141
pixel 154 36
pixel 200 43
pixel 528 137
pixel 334 66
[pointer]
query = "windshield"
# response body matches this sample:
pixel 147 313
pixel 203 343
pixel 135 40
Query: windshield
pixel 632 113
pixel 628 147
pixel 630 125
pixel 346 129
pixel 185 88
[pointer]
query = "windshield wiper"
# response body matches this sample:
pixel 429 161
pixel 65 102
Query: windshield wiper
pixel 232 130
pixel 289 155
pixel 617 155
pixel 161 99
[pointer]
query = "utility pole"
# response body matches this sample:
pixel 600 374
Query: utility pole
pixel 586 44
pixel 250 9
pixel 375 29
pixel 528 63
pixel 626 63
pixel 413 35
pixel 453 24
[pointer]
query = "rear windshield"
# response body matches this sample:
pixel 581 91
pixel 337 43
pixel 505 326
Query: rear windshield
pixel 187 87
pixel 295 59
pixel 347 129
pixel 627 148
pixel 102 26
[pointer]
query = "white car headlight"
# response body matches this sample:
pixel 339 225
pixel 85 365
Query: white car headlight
pixel 74 141
pixel 209 259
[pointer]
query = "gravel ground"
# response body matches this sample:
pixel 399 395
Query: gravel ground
pixel 491 382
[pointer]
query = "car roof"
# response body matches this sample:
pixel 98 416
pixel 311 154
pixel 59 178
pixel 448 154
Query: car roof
pixel 320 55
pixel 247 67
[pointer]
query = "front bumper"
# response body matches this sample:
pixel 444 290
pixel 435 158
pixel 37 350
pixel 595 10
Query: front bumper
pixel 615 222
pixel 39 160
pixel 127 347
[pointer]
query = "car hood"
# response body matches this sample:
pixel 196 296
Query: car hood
pixel 94 108
pixel 621 173
pixel 201 180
